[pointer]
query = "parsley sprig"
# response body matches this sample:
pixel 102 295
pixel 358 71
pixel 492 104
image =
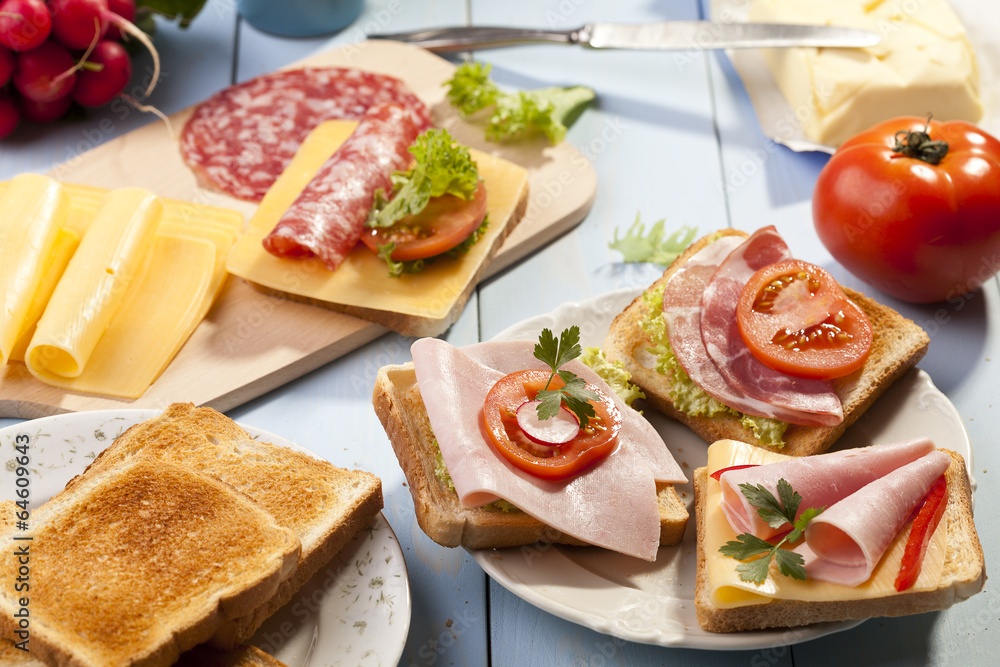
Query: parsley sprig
pixel 574 393
pixel 776 513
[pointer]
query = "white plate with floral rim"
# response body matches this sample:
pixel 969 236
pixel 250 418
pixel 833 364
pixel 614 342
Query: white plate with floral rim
pixel 354 611
pixel 653 603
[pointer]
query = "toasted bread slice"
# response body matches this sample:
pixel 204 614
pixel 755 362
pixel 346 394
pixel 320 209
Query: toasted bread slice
pixel 964 574
pixel 898 344
pixel 241 656
pixel 324 505
pixel 138 563
pixel 400 407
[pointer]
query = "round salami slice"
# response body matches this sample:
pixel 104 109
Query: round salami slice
pixel 328 216
pixel 240 140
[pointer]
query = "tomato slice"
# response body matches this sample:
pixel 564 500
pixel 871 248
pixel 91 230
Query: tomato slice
pixel 796 319
pixel 445 222
pixel 593 443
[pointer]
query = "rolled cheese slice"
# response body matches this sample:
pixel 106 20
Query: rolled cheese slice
pixel 110 256
pixel 33 208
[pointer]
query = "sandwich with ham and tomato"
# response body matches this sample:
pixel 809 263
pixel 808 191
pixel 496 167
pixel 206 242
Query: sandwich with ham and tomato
pixel 739 340
pixel 517 443
pixel 885 530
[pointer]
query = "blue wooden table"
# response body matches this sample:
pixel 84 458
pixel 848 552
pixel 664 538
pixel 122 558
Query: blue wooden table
pixel 672 136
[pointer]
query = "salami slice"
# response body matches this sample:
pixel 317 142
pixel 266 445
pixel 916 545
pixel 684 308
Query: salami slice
pixel 328 217
pixel 240 140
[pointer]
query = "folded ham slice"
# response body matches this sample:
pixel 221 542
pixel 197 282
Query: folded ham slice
pixel 845 543
pixel 821 480
pixel 612 504
pixel 815 401
pixel 682 313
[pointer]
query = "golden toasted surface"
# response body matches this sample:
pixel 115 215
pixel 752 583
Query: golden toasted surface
pixel 139 562
pixel 964 574
pixel 243 656
pixel 400 407
pixel 898 344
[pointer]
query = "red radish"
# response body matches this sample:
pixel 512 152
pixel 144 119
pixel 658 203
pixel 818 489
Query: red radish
pixel 124 9
pixel 75 22
pixel 104 74
pixel 45 112
pixel 550 432
pixel 80 23
pixel 9 115
pixel 6 65
pixel 24 24
pixel 46 73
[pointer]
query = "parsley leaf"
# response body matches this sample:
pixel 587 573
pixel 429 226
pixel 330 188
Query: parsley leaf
pixel 545 111
pixel 638 245
pixel 574 393
pixel 776 513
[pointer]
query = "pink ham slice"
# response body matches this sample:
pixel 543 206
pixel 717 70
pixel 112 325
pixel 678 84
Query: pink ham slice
pixel 612 505
pixel 682 314
pixel 814 402
pixel 846 542
pixel 328 217
pixel 821 480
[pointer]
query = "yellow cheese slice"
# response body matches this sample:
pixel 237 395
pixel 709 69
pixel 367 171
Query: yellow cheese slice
pixel 924 64
pixel 363 280
pixel 32 211
pixel 157 315
pixel 111 255
pixel 726 589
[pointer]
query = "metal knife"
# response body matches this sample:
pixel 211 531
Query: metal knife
pixel 665 35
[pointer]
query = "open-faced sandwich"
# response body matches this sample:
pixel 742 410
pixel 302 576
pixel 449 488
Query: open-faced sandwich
pixel 884 530
pixel 740 340
pixel 507 444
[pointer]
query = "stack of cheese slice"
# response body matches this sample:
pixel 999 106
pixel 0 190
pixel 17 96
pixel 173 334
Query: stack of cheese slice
pixel 100 289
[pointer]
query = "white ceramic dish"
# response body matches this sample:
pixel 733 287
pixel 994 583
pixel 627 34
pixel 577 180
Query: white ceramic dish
pixel 354 611
pixel 653 603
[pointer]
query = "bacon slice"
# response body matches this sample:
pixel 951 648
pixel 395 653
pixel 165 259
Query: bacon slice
pixel 328 217
pixel 612 505
pixel 815 400
pixel 821 480
pixel 846 542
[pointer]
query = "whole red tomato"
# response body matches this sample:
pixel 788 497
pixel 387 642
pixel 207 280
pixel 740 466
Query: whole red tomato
pixel 913 207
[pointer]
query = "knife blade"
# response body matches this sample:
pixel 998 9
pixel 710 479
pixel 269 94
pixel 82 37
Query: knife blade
pixel 664 36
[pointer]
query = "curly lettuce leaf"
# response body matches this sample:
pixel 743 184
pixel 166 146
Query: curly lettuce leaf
pixel 442 167
pixel 182 10
pixel 612 372
pixel 548 111
pixel 638 245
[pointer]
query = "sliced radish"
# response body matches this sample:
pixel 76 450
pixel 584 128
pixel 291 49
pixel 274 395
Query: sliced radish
pixel 551 432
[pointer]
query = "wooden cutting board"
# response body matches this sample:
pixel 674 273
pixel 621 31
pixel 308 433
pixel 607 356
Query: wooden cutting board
pixel 250 342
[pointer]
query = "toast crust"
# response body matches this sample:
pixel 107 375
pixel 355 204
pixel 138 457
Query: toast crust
pixel 412 325
pixel 897 345
pixel 964 574
pixel 400 408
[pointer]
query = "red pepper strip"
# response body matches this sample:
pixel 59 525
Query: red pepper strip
pixel 920 534
pixel 718 473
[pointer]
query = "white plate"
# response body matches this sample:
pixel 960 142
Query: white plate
pixel 354 611
pixel 653 603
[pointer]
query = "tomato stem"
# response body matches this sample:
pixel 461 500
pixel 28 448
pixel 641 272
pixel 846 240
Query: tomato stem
pixel 919 145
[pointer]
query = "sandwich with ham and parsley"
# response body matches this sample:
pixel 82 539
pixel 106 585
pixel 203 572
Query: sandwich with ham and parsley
pixel 739 340
pixel 517 443
pixel 885 530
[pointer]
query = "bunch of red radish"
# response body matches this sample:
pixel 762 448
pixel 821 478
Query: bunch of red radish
pixel 55 53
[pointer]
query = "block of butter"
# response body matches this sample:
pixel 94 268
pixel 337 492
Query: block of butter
pixel 923 65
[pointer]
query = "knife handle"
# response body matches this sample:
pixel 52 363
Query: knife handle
pixel 470 38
